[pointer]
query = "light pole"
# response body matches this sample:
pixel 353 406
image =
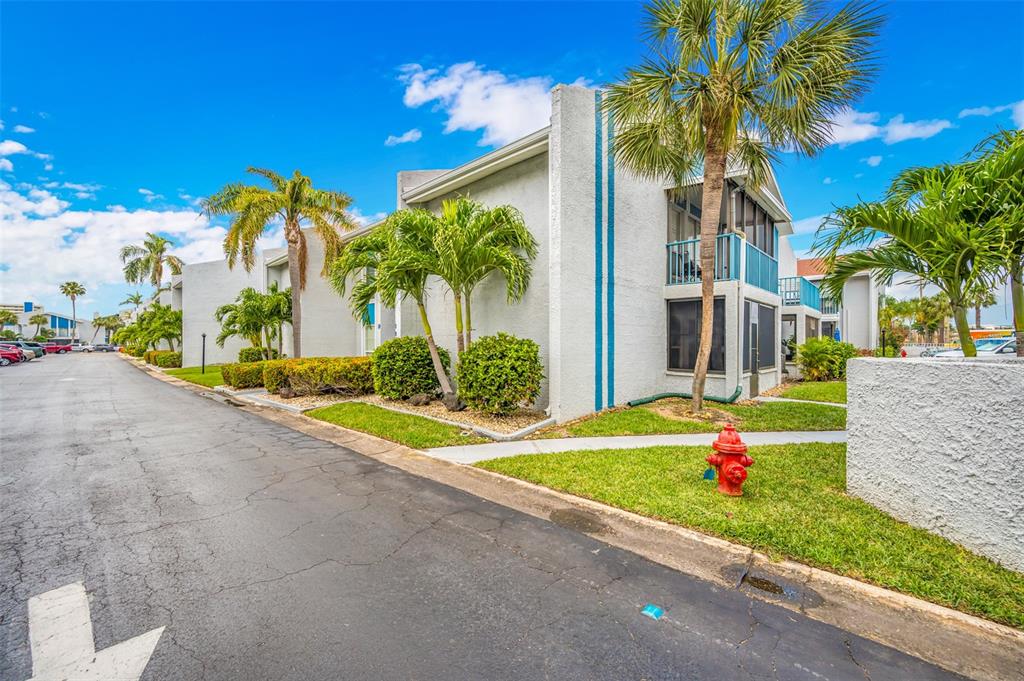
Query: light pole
pixel 203 370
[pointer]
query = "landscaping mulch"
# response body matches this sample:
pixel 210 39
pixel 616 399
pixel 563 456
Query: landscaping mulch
pixel 309 401
pixel 499 424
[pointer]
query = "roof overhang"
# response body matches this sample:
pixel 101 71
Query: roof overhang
pixel 479 168
pixel 769 200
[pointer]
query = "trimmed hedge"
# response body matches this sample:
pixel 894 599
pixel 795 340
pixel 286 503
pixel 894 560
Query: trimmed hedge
pixel 498 374
pixel 150 356
pixel 402 368
pixel 168 360
pixel 243 375
pixel 254 354
pixel 275 373
pixel 345 375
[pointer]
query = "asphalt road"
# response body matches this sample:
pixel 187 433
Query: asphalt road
pixel 268 554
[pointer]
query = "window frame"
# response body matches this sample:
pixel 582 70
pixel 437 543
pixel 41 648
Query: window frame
pixel 719 319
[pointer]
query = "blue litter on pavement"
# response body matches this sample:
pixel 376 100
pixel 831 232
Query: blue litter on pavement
pixel 652 611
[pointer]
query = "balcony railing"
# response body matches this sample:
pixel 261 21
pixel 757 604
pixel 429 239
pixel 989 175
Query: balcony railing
pixel 799 291
pixel 684 260
pixel 762 269
pixel 829 306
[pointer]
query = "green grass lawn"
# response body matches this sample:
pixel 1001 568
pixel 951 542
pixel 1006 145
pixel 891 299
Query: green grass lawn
pixel 794 506
pixel 824 391
pixel 669 416
pixel 210 379
pixel 407 429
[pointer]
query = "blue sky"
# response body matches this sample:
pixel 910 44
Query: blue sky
pixel 118 116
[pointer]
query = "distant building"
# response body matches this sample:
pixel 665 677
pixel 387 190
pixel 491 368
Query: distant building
pixel 63 326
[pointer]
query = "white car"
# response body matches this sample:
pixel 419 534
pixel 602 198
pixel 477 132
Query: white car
pixel 82 347
pixel 987 347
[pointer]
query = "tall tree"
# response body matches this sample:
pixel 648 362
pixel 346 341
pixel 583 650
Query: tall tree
pixel 72 289
pixel 734 81
pixel 39 320
pixel 8 318
pixel 296 202
pixel 400 256
pixel 133 299
pixel 980 299
pixel 921 228
pixel 255 316
pixel 146 262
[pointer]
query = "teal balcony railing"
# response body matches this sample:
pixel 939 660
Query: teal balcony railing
pixel 762 270
pixel 799 291
pixel 829 306
pixel 684 260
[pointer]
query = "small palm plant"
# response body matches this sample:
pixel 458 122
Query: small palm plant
pixel 39 320
pixel 9 318
pixel 73 290
pixel 295 201
pixel 133 299
pixel 733 81
pixel 255 316
pixel 146 262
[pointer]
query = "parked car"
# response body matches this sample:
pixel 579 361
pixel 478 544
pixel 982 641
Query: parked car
pixel 26 354
pixel 83 347
pixel 56 348
pixel 10 354
pixel 36 348
pixel 104 347
pixel 986 347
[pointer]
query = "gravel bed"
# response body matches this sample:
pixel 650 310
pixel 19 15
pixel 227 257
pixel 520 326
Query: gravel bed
pixel 308 401
pixel 499 424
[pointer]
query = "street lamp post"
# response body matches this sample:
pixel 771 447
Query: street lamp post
pixel 203 370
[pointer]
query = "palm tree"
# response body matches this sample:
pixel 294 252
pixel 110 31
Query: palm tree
pixel 979 299
pixel 294 200
pixel 734 81
pixel 400 256
pixel 72 289
pixel 134 299
pixel 108 323
pixel 39 320
pixel 472 241
pixel 146 262
pixel 920 228
pixel 257 317
pixel 7 318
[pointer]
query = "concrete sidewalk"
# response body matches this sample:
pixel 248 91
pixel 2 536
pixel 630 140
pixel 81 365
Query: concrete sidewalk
pixel 497 450
pixel 768 398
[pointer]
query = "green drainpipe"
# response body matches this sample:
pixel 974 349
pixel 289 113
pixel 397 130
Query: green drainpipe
pixel 710 398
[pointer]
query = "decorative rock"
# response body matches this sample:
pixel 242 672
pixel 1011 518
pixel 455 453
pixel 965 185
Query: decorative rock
pixel 421 400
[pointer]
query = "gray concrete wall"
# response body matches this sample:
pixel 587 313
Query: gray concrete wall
pixel 205 287
pixel 940 445
pixel 328 327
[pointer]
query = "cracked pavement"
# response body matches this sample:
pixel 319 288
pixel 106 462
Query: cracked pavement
pixel 269 554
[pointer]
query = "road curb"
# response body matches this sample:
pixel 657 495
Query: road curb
pixel 950 639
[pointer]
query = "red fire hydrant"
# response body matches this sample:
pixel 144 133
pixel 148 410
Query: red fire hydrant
pixel 731 460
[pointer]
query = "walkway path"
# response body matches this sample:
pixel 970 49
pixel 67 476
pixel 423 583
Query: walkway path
pixel 768 398
pixel 497 450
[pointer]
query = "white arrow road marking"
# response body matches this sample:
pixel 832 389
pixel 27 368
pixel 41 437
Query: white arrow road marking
pixel 60 631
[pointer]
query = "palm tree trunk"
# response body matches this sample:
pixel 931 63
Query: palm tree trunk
pixel 711 208
pixel 460 340
pixel 280 341
pixel 963 330
pixel 977 316
pixel 435 356
pixel 469 319
pixel 292 234
pixel 74 320
pixel 1017 300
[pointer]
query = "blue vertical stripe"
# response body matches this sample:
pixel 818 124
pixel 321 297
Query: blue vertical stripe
pixel 610 232
pixel 598 254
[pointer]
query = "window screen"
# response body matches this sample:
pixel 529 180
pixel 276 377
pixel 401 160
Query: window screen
pixel 684 335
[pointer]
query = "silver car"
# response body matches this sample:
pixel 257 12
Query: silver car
pixel 986 347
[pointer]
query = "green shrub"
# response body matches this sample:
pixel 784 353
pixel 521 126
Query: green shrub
pixel 135 350
pixel 254 354
pixel 345 375
pixel 497 374
pixel 150 356
pixel 243 375
pixel 275 373
pixel 402 368
pixel 824 359
pixel 168 360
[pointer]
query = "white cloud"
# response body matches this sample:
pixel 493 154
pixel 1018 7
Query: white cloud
pixel 363 220
pixel 504 107
pixel 150 195
pixel 413 135
pixel 828 180
pixel 5 164
pixel 857 176
pixel 24 129
pixel 808 225
pixel 10 148
pixel 850 127
pixel 897 130
pixel 1016 110
pixel 873 161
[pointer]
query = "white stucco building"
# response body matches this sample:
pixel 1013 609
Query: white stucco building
pixel 614 303
pixel 63 326
pixel 855 317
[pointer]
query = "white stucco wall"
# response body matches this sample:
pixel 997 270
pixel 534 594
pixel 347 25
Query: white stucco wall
pixel 328 327
pixel 205 287
pixel 940 445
